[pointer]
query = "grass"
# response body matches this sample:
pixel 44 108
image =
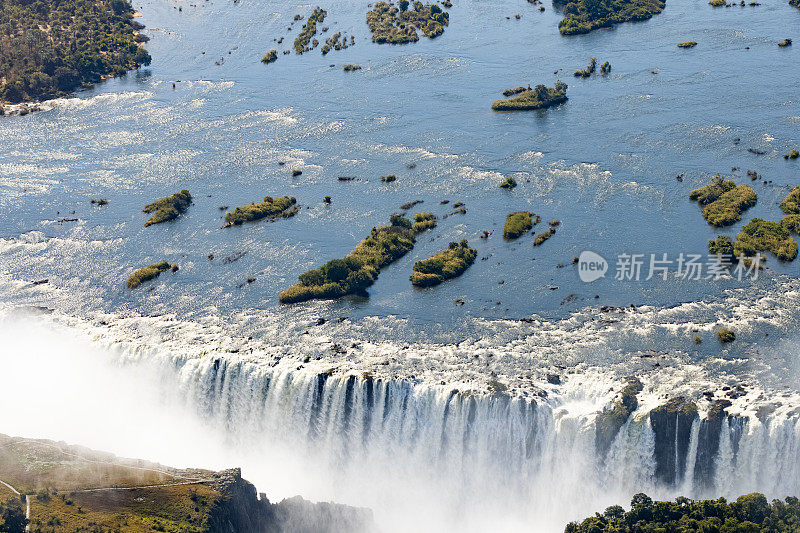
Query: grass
pixel 270 57
pixel 301 43
pixel 274 208
pixel 445 265
pixel 147 273
pixel 726 335
pixel 508 183
pixel 540 97
pixel 168 208
pixel 723 201
pixel 589 70
pixel 517 223
pixel 400 25
pixel 760 235
pixel 791 204
pixel 687 44
pixel 359 269
pixel 584 16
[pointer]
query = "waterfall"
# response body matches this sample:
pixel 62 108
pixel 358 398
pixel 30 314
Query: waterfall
pixel 467 453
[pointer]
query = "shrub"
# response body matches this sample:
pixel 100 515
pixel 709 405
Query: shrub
pixel 791 223
pixel 794 154
pixel 283 207
pixel 722 245
pixel 147 273
pixel 765 236
pixel 517 223
pixel 540 97
pixel 726 335
pixel 270 57
pixel 351 68
pixel 168 208
pixel 515 90
pixel 724 201
pixel 785 42
pixel 508 183
pixel 605 68
pixel 588 71
pixel 542 237
pixel 309 30
pixel 687 44
pixel 716 3
pixel 423 221
pixel 791 204
pixel 443 266
pixel 388 178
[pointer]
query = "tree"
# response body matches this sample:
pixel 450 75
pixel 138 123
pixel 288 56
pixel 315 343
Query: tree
pixel 12 517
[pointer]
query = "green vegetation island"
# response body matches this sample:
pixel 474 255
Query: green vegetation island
pixel 168 208
pixel 360 268
pixel 542 237
pixel 270 57
pixel 445 265
pixel 301 42
pixel 399 25
pixel 72 488
pixel 273 208
pixel 760 235
pixel 50 48
pixel 517 223
pixel 749 513
pixel 148 273
pixel 540 97
pixel 583 16
pixel 723 201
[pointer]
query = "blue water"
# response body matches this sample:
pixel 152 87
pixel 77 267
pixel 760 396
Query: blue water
pixel 604 163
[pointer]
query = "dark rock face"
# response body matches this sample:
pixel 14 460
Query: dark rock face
pixel 672 425
pixel 611 420
pixel 708 443
pixel 243 511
